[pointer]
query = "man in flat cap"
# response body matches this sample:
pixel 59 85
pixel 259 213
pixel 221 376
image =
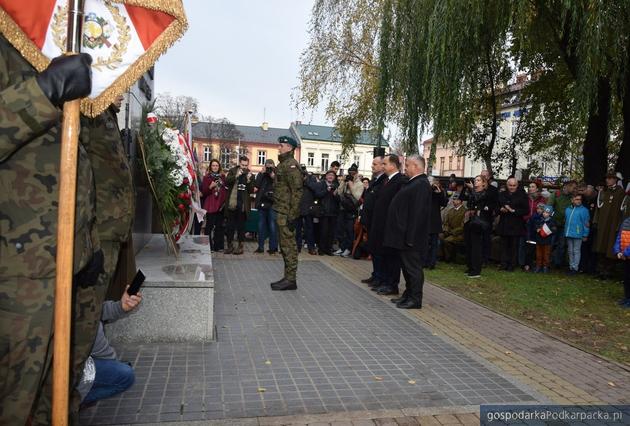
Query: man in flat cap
pixel 287 195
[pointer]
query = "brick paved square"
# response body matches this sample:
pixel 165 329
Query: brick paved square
pixel 330 346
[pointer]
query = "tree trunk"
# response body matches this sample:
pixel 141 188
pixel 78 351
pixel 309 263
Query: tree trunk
pixel 595 148
pixel 623 160
pixel 495 121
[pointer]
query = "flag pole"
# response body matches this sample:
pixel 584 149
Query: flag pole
pixel 65 231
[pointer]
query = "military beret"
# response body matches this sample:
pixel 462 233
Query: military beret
pixel 289 140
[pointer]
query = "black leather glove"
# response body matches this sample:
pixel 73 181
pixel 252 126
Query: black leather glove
pixel 66 78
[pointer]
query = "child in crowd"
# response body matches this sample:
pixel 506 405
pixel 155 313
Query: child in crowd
pixel 545 228
pixel 576 229
pixel 622 251
pixel 530 242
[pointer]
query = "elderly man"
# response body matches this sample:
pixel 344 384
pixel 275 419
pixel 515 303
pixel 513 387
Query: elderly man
pixel 608 217
pixel 407 229
pixel 513 205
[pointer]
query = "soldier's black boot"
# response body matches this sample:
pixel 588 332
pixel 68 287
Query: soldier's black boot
pixel 278 282
pixel 284 285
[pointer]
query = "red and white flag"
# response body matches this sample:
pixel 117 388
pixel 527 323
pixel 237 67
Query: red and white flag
pixel 124 38
pixel 545 231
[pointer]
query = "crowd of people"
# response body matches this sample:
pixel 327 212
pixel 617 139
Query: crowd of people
pixel 479 221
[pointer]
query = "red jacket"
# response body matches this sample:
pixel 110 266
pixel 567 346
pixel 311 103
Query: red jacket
pixel 532 206
pixel 215 197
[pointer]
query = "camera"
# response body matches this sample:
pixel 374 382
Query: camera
pixel 269 170
pixel 349 178
pixel 245 171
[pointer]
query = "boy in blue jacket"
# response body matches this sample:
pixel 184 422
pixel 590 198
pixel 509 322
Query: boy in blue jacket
pixel 576 229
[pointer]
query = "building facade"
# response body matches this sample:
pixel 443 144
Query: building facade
pixel 321 145
pixel 258 143
pixel 447 161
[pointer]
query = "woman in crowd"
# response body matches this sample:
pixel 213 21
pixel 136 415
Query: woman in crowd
pixel 325 192
pixel 215 193
pixel 481 207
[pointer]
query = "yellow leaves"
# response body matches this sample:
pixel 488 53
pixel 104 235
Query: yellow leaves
pixel 412 382
pixel 378 378
pixel 261 390
pixel 612 384
pixel 267 362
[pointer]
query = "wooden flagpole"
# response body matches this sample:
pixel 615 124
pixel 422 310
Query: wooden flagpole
pixel 65 231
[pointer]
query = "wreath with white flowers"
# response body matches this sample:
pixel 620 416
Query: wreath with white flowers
pixel 170 170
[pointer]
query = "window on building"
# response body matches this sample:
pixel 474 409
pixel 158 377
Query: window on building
pixel 450 162
pixel 310 159
pixel 262 157
pixel 225 157
pixel 357 161
pixel 207 153
pixel 324 162
pixel 459 162
pixel 442 164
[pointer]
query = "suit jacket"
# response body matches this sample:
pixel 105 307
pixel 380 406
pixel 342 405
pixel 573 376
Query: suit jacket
pixel 384 198
pixel 409 214
pixel 369 199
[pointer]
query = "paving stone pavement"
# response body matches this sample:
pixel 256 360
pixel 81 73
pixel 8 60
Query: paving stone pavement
pixel 330 347
pixel 561 372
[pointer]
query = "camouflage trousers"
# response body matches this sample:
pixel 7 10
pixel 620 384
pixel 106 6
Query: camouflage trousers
pixel 26 328
pixel 288 246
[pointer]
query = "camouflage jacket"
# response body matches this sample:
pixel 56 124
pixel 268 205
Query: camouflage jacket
pixel 288 186
pixel 29 176
pixel 115 197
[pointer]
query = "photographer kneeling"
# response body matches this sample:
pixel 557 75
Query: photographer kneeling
pixel 266 215
pixel 103 374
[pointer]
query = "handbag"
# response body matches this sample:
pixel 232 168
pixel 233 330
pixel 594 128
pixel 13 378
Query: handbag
pixel 316 209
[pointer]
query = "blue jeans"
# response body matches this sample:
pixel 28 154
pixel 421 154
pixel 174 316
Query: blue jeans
pixel 305 223
pixel 267 228
pixel 112 377
pixel 559 249
pixel 574 246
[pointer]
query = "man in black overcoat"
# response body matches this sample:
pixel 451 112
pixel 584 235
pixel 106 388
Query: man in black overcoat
pixel 391 261
pixel 513 205
pixel 369 201
pixel 407 229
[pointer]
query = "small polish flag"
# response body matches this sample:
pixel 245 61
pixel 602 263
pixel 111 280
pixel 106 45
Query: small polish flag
pixel 545 231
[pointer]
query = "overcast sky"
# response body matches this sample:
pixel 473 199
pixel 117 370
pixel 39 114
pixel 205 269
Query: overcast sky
pixel 238 58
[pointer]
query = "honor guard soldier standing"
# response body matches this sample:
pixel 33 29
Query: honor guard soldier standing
pixel 29 193
pixel 287 195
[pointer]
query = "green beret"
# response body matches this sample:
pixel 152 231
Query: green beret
pixel 289 140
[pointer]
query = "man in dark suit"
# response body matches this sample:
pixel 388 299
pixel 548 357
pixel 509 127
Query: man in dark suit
pixel 407 230
pixel 380 216
pixel 369 201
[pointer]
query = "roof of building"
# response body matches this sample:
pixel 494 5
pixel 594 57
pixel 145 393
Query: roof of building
pixel 245 133
pixel 330 134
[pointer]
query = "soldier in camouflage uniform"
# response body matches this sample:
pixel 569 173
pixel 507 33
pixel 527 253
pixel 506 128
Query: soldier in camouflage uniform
pixel 29 175
pixel 287 194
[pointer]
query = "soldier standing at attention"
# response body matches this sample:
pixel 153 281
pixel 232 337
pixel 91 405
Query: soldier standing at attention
pixel 29 193
pixel 287 195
